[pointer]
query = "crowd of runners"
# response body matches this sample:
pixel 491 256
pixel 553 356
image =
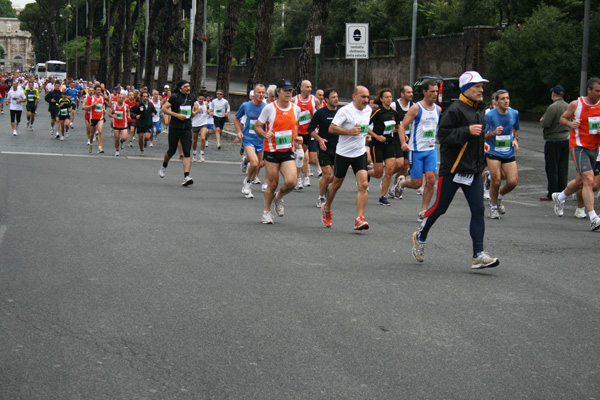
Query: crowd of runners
pixel 291 136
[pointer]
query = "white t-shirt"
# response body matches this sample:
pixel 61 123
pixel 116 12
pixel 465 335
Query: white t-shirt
pixel 200 119
pixel 219 107
pixel 158 107
pixel 268 113
pixel 12 96
pixel 346 118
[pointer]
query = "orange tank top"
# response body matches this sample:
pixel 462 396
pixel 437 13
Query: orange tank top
pixel 307 110
pixel 587 134
pixel 120 116
pixel 283 128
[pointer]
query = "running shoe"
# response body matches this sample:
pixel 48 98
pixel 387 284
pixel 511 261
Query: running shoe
pixel 100 150
pixel 383 201
pixel 494 213
pixel 162 171
pixel 246 186
pixel 151 144
pixel 484 261
pixel 122 145
pixel 595 224
pixel 15 133
pixel 256 181
pixel 249 195
pixel 398 189
pixel 327 217
pixel 580 213
pixel 242 151
pixel 202 158
pixel 218 147
pixel 390 192
pixel 194 156
pixel 420 191
pixel 418 248
pixel 267 218
pixel 486 180
pixel 299 185
pixel 321 201
pixel 486 194
pixel 116 154
pixel 181 156
pixel 501 208
pixel 90 148
pixel 360 224
pixel 307 181
pixel 187 181
pixel 420 216
pixel 263 187
pixel 244 165
pixel 319 172
pixel 559 206
pixel 31 127
pixel 310 173
pixel 141 153
pixel 278 205
pixel 130 144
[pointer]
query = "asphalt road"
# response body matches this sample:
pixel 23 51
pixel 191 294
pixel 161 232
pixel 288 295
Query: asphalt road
pixel 116 284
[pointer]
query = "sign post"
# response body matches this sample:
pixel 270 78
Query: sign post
pixel 317 52
pixel 357 44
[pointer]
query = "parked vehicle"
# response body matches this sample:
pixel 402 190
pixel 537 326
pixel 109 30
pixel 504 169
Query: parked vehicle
pixel 449 90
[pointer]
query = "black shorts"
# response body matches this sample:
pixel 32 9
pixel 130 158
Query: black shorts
pixel 64 117
pixel 144 129
pixel 130 124
pixel 382 151
pixel 53 113
pixel 219 122
pixel 313 145
pixel 327 157
pixel 305 139
pixel 278 157
pixel 398 150
pixel 94 122
pixel 31 109
pixel 197 129
pixel 342 163
pixel 73 106
pixel 15 114
pixel 502 160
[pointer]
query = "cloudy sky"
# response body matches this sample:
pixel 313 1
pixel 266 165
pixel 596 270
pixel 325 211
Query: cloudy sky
pixel 21 3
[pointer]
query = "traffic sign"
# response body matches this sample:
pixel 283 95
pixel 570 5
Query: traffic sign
pixel 357 40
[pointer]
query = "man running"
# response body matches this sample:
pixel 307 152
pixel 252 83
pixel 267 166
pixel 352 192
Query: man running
pixel 64 115
pixel 351 122
pixel 33 97
pixel 143 112
pixel 15 99
pixel 157 103
pixel 281 120
pixel 308 105
pixel 462 147
pixel 179 106
pixel 422 157
pixel 53 97
pixel 95 104
pixel 583 117
pixel 253 144
pixel 199 122
pixel 503 138
pixel 219 108
pixel 402 105
pixel 73 94
pixel 118 114
pixel 327 142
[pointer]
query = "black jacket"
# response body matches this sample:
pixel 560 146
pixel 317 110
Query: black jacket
pixel 56 95
pixel 145 113
pixel 461 152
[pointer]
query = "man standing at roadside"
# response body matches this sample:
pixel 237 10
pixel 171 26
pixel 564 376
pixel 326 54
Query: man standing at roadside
pixel 556 148
pixel 462 147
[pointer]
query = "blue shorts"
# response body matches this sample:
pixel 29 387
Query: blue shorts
pixel 422 161
pixel 157 126
pixel 312 145
pixel 210 126
pixel 2 99
pixel 257 144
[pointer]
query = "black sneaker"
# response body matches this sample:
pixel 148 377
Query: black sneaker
pixel 383 201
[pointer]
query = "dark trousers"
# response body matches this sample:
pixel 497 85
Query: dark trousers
pixel 556 154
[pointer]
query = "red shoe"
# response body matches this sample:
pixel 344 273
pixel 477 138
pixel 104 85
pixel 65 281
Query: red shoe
pixel 360 224
pixel 326 216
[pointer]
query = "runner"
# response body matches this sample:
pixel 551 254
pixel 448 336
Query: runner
pixel 73 94
pixel 166 118
pixel 157 103
pixel 424 117
pixel 502 127
pixel 319 129
pixel 33 97
pixel 199 121
pixel 15 99
pixel 179 106
pixel 95 104
pixel 3 89
pixel 143 113
pixel 53 98
pixel 580 212
pixel 308 105
pixel 118 115
pixel 583 117
pixel 219 108
pixel 352 123
pixel 385 121
pixel 131 102
pixel 462 147
pixel 281 120
pixel 402 105
pixel 253 144
pixel 64 115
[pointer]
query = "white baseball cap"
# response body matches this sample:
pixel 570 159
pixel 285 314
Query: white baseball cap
pixel 468 79
pixel 167 86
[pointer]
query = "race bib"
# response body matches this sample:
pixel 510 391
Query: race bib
pixel 251 127
pixel 119 114
pixel 594 125
pixel 64 111
pixel 364 129
pixel 463 179
pixel 304 117
pixel 98 107
pixel 502 143
pixel 389 127
pixel 283 140
pixel 429 133
pixel 31 97
pixel 186 110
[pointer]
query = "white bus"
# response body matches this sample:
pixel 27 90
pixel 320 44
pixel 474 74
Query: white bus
pixel 39 70
pixel 56 69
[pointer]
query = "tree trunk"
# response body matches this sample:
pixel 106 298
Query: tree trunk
pixel 166 46
pixel 103 63
pixel 141 55
pixel 178 50
pixel 262 44
pixel 130 20
pixel 196 67
pixel 317 25
pixel 115 73
pixel 87 68
pixel 157 8
pixel 227 45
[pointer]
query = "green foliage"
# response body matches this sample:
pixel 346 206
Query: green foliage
pixel 6 10
pixel 531 58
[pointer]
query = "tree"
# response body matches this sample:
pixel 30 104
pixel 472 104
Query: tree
pixel 31 21
pixel 228 44
pixel 87 69
pixel 197 45
pixel 317 25
pixel 115 73
pixel 130 22
pixel 157 8
pixel 262 46
pixel 48 14
pixel 178 50
pixel 6 10
pixel 166 45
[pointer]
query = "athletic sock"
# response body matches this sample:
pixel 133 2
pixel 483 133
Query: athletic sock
pixel 562 196
pixel 186 174
pixel 592 214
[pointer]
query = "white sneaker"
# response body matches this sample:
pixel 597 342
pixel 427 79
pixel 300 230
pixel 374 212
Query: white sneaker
pixel 484 261
pixel 267 218
pixel 151 145
pixel 15 133
pixel 307 181
pixel 559 207
pixel 321 201
pixel 194 156
pixel 279 210
pixel 486 194
pixel 116 154
pixel 299 185
pixel 595 224
pixel 62 138
pixel 420 191
pixel 162 171
pixel 187 181
pixel 580 213
pixel 246 186
pixel 249 195
pixel 263 187
pixel 256 181
pixel 319 172
pixel 244 165
pixel 501 208
pixel 201 157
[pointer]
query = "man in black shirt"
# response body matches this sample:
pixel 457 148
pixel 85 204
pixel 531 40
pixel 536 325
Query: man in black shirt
pixel 179 107
pixel 53 98
pixel 143 113
pixel 326 141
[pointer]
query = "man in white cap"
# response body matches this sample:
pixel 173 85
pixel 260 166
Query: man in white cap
pixel 461 135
